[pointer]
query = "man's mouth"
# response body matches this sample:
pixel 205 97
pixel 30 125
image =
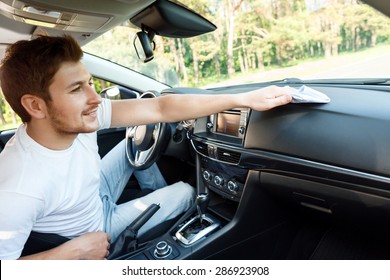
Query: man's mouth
pixel 91 113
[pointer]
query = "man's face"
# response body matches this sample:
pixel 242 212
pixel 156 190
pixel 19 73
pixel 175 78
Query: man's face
pixel 73 108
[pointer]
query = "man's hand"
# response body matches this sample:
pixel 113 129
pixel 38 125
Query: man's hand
pixel 268 97
pixel 89 246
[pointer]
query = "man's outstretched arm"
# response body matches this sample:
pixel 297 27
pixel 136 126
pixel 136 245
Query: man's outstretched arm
pixel 177 107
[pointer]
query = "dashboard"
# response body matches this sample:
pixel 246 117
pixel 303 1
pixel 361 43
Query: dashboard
pixel 330 157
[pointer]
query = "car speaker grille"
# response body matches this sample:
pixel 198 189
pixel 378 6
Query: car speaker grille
pixel 228 156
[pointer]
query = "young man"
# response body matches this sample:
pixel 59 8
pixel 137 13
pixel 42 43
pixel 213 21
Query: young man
pixel 49 179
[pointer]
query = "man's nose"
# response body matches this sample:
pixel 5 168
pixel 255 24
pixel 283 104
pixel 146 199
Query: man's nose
pixel 93 97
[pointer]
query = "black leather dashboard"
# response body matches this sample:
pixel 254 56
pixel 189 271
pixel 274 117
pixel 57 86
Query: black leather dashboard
pixel 351 131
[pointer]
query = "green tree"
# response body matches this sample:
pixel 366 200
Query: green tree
pixel 2 109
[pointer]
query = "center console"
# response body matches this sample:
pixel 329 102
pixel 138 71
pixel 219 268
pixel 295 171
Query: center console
pixel 217 140
pixel 224 179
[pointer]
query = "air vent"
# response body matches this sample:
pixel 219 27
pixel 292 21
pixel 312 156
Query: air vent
pixel 228 156
pixel 201 148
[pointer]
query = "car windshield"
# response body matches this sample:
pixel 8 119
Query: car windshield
pixel 264 40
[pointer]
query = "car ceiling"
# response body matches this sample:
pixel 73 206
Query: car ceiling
pixel 97 16
pixel 105 14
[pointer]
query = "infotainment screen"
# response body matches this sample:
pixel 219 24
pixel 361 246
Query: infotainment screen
pixel 228 123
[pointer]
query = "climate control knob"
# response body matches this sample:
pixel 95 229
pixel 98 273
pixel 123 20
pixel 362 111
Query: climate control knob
pixel 232 186
pixel 206 175
pixel 218 180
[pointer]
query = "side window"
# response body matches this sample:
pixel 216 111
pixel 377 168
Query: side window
pixel 111 91
pixel 100 85
pixel 8 118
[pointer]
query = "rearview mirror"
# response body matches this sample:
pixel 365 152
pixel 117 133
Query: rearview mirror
pixel 144 45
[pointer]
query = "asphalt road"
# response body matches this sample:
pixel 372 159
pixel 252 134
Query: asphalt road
pixel 371 67
pixel 370 64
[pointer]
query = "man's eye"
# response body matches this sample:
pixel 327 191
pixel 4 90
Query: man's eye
pixel 76 89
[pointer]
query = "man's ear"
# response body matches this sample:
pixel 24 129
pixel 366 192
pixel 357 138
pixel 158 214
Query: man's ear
pixel 34 105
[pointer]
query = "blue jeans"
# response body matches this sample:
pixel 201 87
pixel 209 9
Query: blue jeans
pixel 115 173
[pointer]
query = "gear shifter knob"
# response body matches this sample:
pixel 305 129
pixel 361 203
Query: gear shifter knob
pixel 202 201
pixel 200 224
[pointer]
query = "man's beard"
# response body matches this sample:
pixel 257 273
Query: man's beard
pixel 63 125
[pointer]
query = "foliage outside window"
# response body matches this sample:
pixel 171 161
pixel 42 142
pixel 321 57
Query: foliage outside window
pixel 252 36
pixel 8 118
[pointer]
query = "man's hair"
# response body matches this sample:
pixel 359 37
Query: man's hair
pixel 29 68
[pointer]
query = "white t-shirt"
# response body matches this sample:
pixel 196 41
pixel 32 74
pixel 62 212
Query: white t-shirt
pixel 49 191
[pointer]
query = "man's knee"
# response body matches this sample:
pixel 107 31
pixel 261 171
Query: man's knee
pixel 184 190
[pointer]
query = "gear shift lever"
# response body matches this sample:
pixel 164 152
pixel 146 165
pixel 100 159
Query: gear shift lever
pixel 202 201
pixel 200 226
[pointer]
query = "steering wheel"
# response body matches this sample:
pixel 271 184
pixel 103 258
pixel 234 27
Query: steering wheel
pixel 144 143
